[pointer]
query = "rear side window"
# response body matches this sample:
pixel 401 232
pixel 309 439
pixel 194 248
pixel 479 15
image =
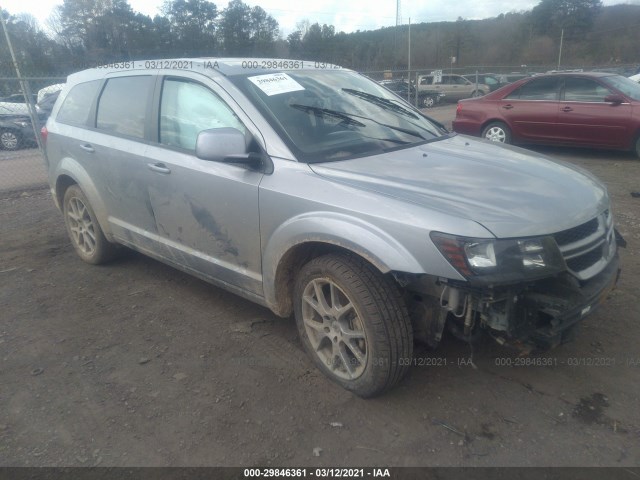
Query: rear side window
pixel 537 89
pixel 122 107
pixel 77 105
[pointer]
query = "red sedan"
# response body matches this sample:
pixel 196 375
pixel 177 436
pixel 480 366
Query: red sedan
pixel 590 109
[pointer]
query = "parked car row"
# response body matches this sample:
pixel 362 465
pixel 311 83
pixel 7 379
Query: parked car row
pixel 496 80
pixel 16 129
pixel 455 87
pixel 423 99
pixel 433 88
pixel 590 109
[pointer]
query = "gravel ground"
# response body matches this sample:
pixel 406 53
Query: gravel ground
pixel 137 364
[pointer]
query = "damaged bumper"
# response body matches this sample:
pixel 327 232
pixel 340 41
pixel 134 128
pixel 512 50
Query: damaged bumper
pixel 536 315
pixel 544 314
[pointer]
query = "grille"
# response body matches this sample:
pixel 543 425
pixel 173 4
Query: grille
pixel 577 233
pixel 578 264
pixel 586 246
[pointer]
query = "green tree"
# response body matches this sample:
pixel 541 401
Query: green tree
pixel 247 31
pixel 99 27
pixel 192 25
pixel 554 15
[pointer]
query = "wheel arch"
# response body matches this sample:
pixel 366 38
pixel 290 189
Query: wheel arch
pixel 494 120
pixel 70 172
pixel 292 245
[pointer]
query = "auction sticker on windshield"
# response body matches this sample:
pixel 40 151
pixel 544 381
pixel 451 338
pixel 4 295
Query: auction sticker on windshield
pixel 275 83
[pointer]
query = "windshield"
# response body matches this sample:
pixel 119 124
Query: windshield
pixel 335 115
pixel 625 85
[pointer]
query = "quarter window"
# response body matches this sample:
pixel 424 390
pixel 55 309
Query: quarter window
pixel 123 105
pixel 76 107
pixel 584 90
pixel 187 108
pixel 537 89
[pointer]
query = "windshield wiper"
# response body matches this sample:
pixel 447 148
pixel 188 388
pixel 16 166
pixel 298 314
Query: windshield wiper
pixel 381 102
pixel 348 118
pixel 329 113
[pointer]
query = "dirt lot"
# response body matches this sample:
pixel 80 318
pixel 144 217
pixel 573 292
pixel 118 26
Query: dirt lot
pixel 135 363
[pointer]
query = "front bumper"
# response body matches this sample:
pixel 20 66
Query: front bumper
pixel 541 314
pixel 556 307
pixel 537 315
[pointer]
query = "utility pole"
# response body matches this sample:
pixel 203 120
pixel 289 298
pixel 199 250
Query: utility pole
pixel 409 65
pixel 560 52
pixel 398 22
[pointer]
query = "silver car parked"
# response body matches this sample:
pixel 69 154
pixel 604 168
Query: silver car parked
pixel 317 193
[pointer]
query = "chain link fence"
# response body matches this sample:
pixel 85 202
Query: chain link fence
pixel 25 105
pixel 26 102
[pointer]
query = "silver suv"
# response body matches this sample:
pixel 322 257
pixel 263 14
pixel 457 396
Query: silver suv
pixel 316 192
pixel 454 87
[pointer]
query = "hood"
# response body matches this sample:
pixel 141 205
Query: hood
pixel 510 191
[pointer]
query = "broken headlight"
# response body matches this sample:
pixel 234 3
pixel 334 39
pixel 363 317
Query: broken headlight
pixel 501 260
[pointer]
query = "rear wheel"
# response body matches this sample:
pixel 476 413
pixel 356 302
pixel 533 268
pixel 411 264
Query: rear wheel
pixel 497 132
pixel 477 93
pixel 427 102
pixel 83 228
pixel 353 323
pixel 638 146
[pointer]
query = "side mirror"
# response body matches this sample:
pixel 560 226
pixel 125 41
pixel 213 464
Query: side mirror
pixel 614 98
pixel 216 144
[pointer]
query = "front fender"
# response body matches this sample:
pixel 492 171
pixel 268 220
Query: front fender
pixel 73 169
pixel 353 234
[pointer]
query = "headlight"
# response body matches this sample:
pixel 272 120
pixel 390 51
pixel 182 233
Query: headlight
pixel 501 261
pixel 22 124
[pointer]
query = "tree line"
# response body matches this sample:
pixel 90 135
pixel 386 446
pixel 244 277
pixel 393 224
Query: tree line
pixel 83 33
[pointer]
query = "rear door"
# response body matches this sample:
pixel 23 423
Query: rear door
pixel 119 141
pixel 461 87
pixel 531 111
pixel 585 118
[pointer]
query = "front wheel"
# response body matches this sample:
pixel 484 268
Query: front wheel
pixel 638 147
pixel 497 132
pixel 10 140
pixel 477 93
pixel 353 323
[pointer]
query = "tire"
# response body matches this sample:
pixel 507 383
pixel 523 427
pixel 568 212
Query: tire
pixel 638 147
pixel 497 132
pixel 10 140
pixel 359 334
pixel 427 102
pixel 477 93
pixel 83 229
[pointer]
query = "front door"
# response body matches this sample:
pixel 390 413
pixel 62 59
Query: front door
pixel 585 118
pixel 206 212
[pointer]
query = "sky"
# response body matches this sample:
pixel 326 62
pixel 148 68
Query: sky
pixel 347 16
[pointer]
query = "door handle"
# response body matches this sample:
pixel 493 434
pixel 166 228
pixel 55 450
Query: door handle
pixel 159 167
pixel 87 148
pixel 567 109
pixel 507 106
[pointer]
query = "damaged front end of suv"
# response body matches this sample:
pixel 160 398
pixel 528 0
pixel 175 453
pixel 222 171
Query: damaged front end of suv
pixel 527 293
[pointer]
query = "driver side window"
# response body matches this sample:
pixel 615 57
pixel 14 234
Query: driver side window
pixel 187 108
